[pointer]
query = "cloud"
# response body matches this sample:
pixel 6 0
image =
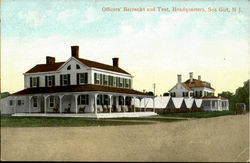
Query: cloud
pixel 152 53
pixel 67 15
pixel 33 18
pixel 90 16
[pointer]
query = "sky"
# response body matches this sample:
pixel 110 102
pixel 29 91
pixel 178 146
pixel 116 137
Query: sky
pixel 154 46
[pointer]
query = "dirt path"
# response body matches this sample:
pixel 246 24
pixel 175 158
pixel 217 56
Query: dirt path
pixel 213 139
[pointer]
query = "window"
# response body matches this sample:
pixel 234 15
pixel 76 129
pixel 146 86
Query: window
pixel 106 99
pixel 51 101
pixel 77 66
pixel 127 83
pixel 99 99
pixel 82 78
pixel 49 81
pixel 191 94
pixel 200 93
pixel 121 82
pixel 172 94
pixel 106 79
pixel 83 100
pixel 98 78
pixel 69 67
pixel 114 81
pixel 11 102
pixel 65 79
pixel 128 100
pixel 19 102
pixel 34 81
pixel 121 100
pixel 35 101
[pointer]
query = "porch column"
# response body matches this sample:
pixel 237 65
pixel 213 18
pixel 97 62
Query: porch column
pixel 154 104
pixel 15 100
pixel 110 103
pixel 124 98
pixel 30 98
pixel 211 105
pixel 144 104
pixel 140 103
pixel 76 103
pixel 95 101
pixel 45 98
pixel 134 103
pixel 60 105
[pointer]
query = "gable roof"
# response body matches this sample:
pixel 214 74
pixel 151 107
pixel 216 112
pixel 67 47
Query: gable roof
pixel 101 66
pixel 77 88
pixel 57 65
pixel 195 83
pixel 45 67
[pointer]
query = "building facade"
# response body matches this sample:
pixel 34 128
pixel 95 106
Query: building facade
pixel 195 88
pixel 75 86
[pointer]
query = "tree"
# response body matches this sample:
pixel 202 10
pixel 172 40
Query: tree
pixel 5 94
pixel 242 94
pixel 166 94
pixel 150 93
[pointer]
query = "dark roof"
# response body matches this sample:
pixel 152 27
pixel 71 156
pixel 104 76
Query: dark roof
pixel 101 66
pixel 77 88
pixel 195 83
pixel 57 65
pixel 46 67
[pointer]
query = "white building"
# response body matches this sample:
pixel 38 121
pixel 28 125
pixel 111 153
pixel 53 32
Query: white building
pixel 198 89
pixel 191 88
pixel 75 86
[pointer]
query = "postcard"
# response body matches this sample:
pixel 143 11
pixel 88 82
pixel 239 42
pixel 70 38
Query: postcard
pixel 124 80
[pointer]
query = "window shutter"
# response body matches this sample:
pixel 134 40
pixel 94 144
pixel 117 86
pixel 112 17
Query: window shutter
pixel 68 79
pixel 100 79
pixel 95 78
pixel 61 82
pixel 129 81
pixel 123 83
pixel 46 81
pixel 77 78
pixel 30 82
pixel 117 82
pixel 53 80
pixel 86 78
pixel 111 80
pixel 38 82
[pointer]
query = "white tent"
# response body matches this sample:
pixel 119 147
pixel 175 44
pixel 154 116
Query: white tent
pixel 177 102
pixel 189 102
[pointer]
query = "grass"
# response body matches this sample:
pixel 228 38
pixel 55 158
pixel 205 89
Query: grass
pixel 8 121
pixel 199 114
pixel 153 118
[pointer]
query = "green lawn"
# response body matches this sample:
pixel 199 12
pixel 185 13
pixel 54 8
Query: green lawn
pixel 8 121
pixel 153 118
pixel 199 114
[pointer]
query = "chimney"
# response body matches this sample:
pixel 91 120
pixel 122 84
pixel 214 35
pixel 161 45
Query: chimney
pixel 115 62
pixel 199 77
pixel 179 78
pixel 50 60
pixel 191 76
pixel 75 51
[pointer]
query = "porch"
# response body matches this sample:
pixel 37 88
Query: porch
pixel 84 104
pixel 87 115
